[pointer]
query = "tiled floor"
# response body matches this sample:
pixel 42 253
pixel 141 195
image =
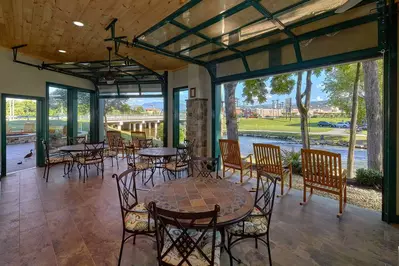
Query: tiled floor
pixel 66 222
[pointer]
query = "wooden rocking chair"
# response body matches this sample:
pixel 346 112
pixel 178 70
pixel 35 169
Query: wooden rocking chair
pixel 231 158
pixel 322 170
pixel 271 163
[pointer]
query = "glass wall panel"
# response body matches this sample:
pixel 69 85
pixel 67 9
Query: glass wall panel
pixel 184 43
pixel 84 114
pixel 205 10
pixel 202 50
pixel 232 22
pixel 161 35
pixel 230 68
pixel 274 6
pixel 180 97
pixel 58 116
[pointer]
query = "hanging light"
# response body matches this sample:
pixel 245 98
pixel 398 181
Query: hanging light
pixel 109 76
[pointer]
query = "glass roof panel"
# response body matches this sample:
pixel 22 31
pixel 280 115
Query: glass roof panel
pixel 249 32
pixel 162 34
pixel 233 22
pixel 274 6
pixel 265 41
pixel 202 50
pixel 310 9
pixel 205 10
pixel 184 43
pixel 216 56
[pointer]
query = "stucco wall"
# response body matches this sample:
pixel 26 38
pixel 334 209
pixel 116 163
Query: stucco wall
pixel 26 80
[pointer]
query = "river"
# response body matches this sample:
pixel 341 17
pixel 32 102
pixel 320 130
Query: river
pixel 360 154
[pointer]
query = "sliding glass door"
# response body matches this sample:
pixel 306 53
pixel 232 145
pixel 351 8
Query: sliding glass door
pixel 69 114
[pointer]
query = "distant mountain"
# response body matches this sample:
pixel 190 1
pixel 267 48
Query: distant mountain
pixel 313 104
pixel 158 105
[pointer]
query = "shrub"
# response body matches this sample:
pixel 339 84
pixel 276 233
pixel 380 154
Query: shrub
pixel 369 177
pixel 294 158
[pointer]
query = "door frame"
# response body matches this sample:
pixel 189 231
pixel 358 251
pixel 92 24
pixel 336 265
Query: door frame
pixel 176 112
pixel 40 128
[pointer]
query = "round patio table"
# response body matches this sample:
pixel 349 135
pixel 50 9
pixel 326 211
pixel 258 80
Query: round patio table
pixel 157 152
pixel 201 194
pixel 75 148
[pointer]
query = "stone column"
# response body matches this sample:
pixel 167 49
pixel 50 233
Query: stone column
pixel 141 127
pixel 120 125
pixel 133 126
pixel 197 125
pixel 156 129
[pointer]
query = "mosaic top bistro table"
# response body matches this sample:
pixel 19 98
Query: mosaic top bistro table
pixel 75 148
pixel 201 194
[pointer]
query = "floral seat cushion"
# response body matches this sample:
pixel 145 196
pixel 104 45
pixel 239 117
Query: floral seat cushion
pixel 140 166
pixel 111 153
pixel 172 166
pixel 59 159
pixel 83 160
pixel 173 257
pixel 137 220
pixel 254 224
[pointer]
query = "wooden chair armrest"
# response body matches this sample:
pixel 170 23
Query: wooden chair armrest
pixel 246 157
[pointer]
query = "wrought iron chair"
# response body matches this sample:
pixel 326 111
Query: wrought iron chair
pixel 322 170
pixel 140 165
pixel 115 145
pixel 271 163
pixel 137 137
pixel 93 154
pixel 54 159
pixel 76 140
pixel 181 242
pixel 176 168
pixel 257 224
pixel 231 158
pixel 135 217
pixel 205 167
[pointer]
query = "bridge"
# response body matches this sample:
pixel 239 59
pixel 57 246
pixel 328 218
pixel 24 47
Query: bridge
pixel 137 122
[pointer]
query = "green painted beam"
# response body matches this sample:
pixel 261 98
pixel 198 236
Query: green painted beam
pixel 129 96
pixel 315 63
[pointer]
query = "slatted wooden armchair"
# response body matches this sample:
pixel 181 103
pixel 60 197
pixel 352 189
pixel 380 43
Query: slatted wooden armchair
pixel 138 138
pixel 322 170
pixel 115 146
pixel 231 158
pixel 271 163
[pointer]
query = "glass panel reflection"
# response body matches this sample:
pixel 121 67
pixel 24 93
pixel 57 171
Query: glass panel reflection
pixel 265 41
pixel 205 10
pixel 274 6
pixel 58 116
pixel 84 115
pixel 202 50
pixel 249 32
pixel 233 22
pixel 184 43
pixel 310 9
pixel 216 56
pixel 161 35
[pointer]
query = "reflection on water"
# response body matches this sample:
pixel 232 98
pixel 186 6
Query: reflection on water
pixel 360 154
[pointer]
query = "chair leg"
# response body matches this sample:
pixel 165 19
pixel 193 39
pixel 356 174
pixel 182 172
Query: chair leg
pixel 282 186
pixel 48 172
pixel 102 169
pixel 117 163
pixel 268 249
pixel 45 169
pixel 121 250
pixel 229 238
pixel 134 240
pixel 224 172
pixel 256 242
pixel 112 161
pixel 340 205
pixel 304 195
pixel 290 176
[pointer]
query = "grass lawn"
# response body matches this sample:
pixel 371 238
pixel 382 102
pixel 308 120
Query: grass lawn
pixel 17 125
pixel 282 124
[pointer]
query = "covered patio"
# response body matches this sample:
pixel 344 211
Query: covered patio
pixel 83 63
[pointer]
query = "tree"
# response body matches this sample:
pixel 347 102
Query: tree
pixel 284 84
pixel 110 105
pixel 353 126
pixel 373 114
pixel 255 89
pixel 230 108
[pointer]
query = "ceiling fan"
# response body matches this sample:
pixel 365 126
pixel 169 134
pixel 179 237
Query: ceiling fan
pixel 109 76
pixel 348 5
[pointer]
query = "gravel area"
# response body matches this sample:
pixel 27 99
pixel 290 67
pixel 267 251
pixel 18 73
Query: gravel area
pixel 363 197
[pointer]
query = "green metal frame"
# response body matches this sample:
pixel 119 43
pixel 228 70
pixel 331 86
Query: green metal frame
pixel 40 129
pixel 388 39
pixel 176 114
pixel 72 110
pixel 165 93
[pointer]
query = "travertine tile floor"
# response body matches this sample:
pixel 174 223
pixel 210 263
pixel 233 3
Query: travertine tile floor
pixel 67 222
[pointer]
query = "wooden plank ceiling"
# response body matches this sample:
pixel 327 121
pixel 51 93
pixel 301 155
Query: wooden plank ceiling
pixel 47 26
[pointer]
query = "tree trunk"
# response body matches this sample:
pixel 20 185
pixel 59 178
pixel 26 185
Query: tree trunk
pixel 303 108
pixel 352 137
pixel 230 108
pixel 373 115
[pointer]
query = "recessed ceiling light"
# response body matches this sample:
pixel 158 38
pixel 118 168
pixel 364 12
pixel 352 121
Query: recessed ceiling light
pixel 78 23
pixel 62 51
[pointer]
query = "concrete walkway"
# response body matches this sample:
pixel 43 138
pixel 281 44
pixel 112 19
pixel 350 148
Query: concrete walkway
pixel 16 153
pixel 332 132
